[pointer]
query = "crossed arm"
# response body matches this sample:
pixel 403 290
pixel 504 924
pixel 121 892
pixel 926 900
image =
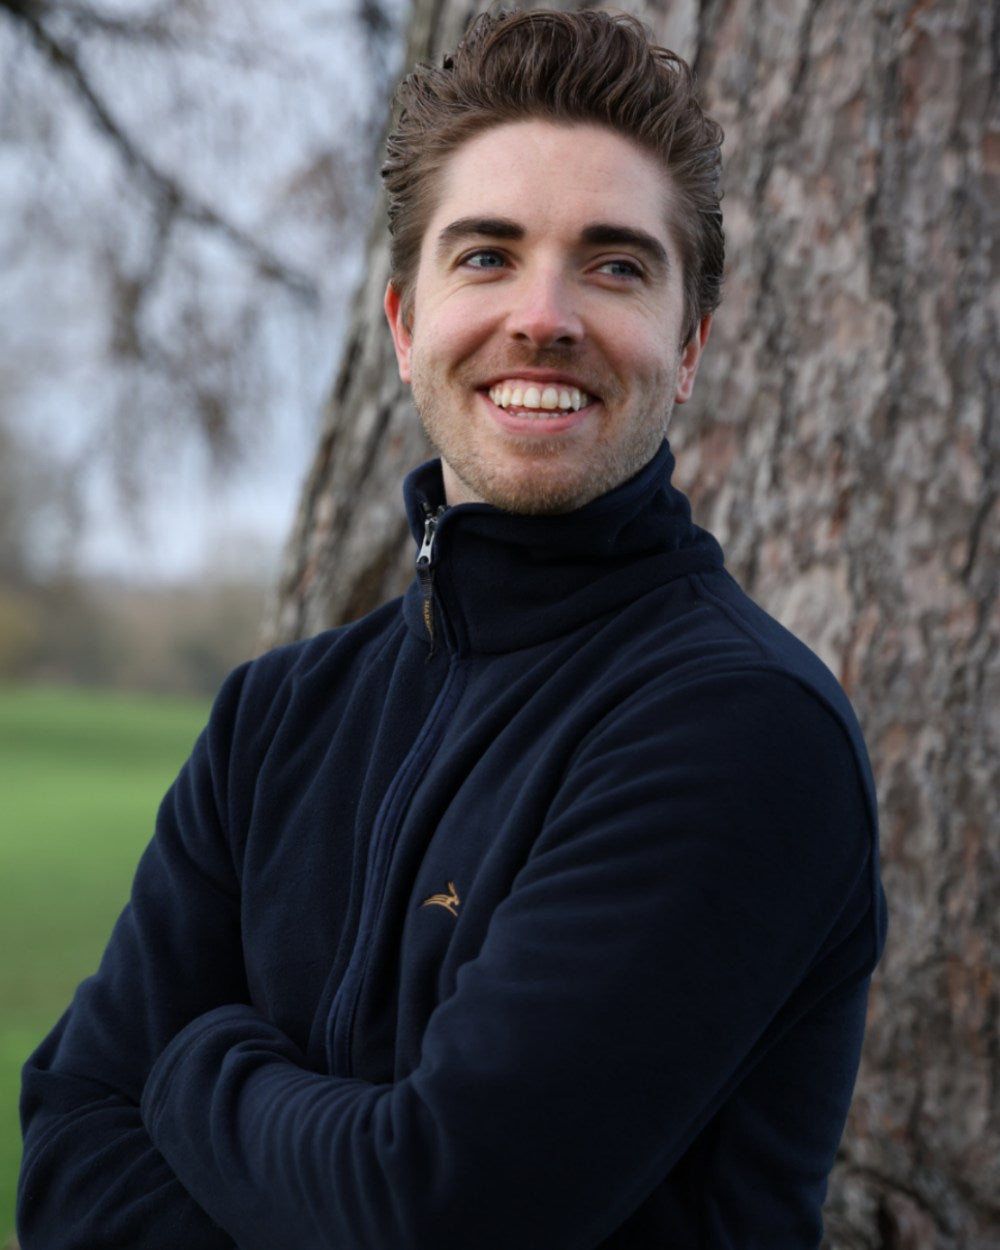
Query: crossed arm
pixel 652 949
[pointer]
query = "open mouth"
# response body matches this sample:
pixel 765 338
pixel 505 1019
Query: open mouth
pixel 538 399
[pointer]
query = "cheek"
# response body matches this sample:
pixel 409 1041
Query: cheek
pixel 446 336
pixel 640 341
pixel 650 360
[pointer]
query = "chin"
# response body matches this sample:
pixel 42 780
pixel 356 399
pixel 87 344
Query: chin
pixel 533 494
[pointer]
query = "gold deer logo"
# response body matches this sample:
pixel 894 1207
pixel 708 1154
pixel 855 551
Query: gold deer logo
pixel 450 901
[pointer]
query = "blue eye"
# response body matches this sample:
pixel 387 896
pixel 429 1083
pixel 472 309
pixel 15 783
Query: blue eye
pixel 485 258
pixel 621 269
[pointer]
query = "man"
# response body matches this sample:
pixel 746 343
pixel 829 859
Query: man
pixel 536 909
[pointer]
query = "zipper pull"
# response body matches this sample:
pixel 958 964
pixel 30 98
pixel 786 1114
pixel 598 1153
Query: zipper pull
pixel 425 555
pixel 425 568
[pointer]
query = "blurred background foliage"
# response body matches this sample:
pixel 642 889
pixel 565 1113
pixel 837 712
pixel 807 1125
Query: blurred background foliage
pixel 185 187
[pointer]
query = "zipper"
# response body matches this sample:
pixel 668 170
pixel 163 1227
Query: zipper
pixel 389 820
pixel 425 567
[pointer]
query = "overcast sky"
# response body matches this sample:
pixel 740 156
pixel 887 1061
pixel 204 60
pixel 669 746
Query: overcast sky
pixel 266 113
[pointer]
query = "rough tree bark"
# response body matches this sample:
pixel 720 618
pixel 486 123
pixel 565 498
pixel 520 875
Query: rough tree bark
pixel 843 445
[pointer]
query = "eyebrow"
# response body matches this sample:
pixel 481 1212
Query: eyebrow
pixel 477 228
pixel 600 234
pixel 609 235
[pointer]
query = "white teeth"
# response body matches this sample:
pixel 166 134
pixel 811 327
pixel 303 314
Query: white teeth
pixel 540 399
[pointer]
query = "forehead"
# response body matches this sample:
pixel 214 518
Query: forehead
pixel 553 177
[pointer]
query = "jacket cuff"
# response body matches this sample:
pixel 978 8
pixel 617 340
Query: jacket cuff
pixel 178 1090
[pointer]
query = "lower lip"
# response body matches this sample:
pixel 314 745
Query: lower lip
pixel 536 427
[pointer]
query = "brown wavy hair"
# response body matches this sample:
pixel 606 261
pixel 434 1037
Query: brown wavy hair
pixel 588 67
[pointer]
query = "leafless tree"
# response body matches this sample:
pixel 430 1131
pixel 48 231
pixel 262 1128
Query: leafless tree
pixel 179 181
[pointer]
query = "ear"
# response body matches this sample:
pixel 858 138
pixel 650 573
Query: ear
pixel 690 358
pixel 401 337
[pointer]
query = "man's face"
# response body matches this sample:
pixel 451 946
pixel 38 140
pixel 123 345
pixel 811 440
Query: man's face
pixel 543 338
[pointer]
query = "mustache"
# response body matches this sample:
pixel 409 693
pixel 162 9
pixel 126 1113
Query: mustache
pixel 555 357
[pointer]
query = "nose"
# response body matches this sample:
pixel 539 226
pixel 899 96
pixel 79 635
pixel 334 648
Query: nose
pixel 543 313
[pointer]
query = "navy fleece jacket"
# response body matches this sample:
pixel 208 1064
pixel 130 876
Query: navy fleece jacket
pixel 553 934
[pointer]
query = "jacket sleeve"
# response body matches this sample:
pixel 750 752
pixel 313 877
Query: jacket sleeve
pixel 700 883
pixel 90 1174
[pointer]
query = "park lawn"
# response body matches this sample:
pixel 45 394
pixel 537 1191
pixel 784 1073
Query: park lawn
pixel 81 776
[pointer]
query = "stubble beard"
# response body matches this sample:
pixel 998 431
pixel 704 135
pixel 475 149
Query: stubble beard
pixel 538 476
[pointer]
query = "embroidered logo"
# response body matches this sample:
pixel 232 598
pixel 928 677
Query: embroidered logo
pixel 450 902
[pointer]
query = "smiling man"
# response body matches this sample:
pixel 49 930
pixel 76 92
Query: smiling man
pixel 538 908
pixel 551 342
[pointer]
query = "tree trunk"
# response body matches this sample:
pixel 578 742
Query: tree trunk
pixel 843 445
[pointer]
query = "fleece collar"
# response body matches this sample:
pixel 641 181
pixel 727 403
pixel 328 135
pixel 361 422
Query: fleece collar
pixel 502 581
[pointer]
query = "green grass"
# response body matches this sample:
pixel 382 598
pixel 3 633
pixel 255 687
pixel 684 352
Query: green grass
pixel 81 776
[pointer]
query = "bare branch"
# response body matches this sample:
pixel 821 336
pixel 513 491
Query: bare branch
pixel 151 28
pixel 168 190
pixel 165 28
